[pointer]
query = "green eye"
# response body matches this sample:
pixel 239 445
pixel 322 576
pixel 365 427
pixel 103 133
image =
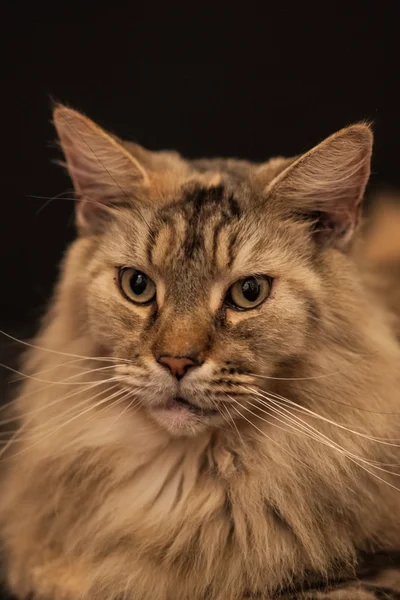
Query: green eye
pixel 136 286
pixel 248 293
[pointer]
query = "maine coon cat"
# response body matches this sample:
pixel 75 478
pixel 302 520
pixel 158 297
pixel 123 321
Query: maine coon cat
pixel 211 407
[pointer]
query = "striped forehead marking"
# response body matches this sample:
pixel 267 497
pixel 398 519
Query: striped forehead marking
pixel 197 224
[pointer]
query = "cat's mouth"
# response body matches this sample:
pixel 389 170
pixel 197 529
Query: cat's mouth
pixel 181 416
pixel 177 405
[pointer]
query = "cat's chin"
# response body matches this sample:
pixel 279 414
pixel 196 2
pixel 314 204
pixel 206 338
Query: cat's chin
pixel 181 417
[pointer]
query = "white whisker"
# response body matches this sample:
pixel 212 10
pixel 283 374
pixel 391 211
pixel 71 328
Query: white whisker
pixel 361 466
pixel 83 402
pixel 56 429
pixel 68 363
pixel 54 383
pixel 387 442
pixel 264 434
pixel 232 421
pixel 36 347
pixel 46 406
pixel 319 436
pixel 61 381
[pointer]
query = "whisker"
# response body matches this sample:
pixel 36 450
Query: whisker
pixel 56 429
pixel 62 398
pixel 322 376
pixel 319 436
pixel 59 382
pixel 368 410
pixel 267 436
pixel 385 441
pixel 116 397
pixel 285 411
pixel 18 398
pixel 299 426
pixel 36 347
pixel 127 407
pixel 232 420
pixel 349 457
pixel 56 197
pixel 297 429
pixel 68 363
pixel 127 393
pixel 328 441
pixel 49 199
pixel 46 406
pixel 83 402
pixel 52 382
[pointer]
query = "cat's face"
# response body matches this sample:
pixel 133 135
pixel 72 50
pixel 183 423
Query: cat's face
pixel 208 296
pixel 202 284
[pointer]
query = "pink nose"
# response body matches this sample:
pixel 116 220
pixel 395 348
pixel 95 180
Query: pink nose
pixel 178 365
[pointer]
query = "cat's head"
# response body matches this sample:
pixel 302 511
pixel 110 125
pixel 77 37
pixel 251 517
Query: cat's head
pixel 208 277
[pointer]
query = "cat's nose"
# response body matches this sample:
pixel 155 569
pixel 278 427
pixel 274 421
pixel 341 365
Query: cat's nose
pixel 178 365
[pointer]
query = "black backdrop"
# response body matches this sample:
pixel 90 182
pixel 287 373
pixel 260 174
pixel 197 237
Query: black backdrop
pixel 291 79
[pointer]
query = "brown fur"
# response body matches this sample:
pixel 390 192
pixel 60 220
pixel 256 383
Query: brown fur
pixel 107 500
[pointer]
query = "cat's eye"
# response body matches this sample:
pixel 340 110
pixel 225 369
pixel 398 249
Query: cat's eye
pixel 248 293
pixel 136 286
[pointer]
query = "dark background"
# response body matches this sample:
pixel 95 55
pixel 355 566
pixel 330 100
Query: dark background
pixel 256 85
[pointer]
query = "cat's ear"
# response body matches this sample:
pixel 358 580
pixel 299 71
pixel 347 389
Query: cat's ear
pixel 325 186
pixel 104 174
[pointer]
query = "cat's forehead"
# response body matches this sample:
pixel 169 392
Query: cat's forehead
pixel 199 202
pixel 201 226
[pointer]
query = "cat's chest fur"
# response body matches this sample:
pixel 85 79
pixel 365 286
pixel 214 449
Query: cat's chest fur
pixel 155 513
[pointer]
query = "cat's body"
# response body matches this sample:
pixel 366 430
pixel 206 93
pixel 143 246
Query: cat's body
pixel 282 486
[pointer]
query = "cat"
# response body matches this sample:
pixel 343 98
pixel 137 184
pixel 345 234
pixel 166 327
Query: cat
pixel 211 406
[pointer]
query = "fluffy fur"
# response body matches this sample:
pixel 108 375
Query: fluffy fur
pixel 294 475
